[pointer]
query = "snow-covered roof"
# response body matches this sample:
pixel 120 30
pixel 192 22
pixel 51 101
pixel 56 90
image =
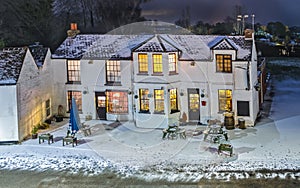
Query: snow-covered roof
pixel 192 47
pixel 74 48
pixel 157 44
pixel 39 53
pixel 115 46
pixel 11 61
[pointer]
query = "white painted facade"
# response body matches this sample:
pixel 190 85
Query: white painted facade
pixel 23 104
pixel 191 74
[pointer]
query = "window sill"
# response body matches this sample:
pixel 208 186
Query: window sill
pixel 157 74
pixel 175 111
pixel 113 84
pixel 161 113
pixel 74 83
pixel 142 74
pixel 224 72
pixel 144 112
pixel 172 74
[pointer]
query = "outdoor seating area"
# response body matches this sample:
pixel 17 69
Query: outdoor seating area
pixel 48 137
pixel 70 140
pixel 173 132
pixel 214 133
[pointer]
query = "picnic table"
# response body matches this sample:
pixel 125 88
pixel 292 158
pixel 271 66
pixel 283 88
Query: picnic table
pixel 173 131
pixel 70 139
pixel 48 137
pixel 214 133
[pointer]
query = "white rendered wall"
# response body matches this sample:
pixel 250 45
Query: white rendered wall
pixel 8 114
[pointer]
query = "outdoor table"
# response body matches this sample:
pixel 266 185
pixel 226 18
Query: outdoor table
pixel 69 139
pixel 215 129
pixel 48 137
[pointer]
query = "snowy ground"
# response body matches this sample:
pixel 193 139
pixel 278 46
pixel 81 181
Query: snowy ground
pixel 270 149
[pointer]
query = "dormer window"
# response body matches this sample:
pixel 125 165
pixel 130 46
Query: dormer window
pixel 157 63
pixel 224 63
pixel 143 63
pixel 172 63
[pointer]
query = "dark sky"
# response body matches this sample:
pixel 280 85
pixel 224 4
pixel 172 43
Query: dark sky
pixel 212 11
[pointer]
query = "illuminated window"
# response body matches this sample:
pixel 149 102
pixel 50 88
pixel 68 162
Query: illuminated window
pixel 173 100
pixel 224 63
pixel 113 71
pixel 48 107
pixel 144 100
pixel 157 63
pixel 225 100
pixel 143 63
pixel 73 71
pixel 172 63
pixel 159 100
pixel 117 102
pixel 78 98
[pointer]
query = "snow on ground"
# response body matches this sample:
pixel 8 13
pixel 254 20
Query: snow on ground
pixel 268 150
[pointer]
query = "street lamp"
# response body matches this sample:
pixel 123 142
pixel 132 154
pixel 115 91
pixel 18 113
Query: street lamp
pixel 242 18
pixel 253 16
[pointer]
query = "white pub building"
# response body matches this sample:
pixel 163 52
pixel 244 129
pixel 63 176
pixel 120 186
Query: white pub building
pixel 153 80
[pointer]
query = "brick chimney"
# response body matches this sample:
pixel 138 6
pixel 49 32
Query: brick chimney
pixel 73 30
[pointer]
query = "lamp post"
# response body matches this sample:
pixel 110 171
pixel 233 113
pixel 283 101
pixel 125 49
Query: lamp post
pixel 253 16
pixel 242 18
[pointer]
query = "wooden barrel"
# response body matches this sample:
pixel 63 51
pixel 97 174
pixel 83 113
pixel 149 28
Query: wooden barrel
pixel 229 121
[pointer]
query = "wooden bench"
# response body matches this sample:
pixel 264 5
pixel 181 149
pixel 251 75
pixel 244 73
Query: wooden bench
pixel 70 139
pixel 48 137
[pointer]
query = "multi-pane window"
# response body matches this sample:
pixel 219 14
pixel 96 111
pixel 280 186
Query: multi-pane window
pixel 48 108
pixel 113 71
pixel 157 63
pixel 144 100
pixel 78 99
pixel 117 102
pixel 143 63
pixel 225 100
pixel 172 63
pixel 173 100
pixel 159 100
pixel 224 63
pixel 73 71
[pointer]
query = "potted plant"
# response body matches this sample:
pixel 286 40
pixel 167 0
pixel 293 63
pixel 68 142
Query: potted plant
pixel 34 132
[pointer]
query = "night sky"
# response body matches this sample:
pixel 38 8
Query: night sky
pixel 212 11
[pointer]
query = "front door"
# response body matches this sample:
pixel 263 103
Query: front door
pixel 101 105
pixel 194 105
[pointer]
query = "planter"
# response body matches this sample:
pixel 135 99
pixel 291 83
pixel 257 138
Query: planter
pixel 34 136
pixel 59 119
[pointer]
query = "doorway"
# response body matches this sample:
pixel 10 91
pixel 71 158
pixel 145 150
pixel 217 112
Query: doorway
pixel 194 105
pixel 101 105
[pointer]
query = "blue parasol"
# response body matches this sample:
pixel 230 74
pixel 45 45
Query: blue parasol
pixel 74 123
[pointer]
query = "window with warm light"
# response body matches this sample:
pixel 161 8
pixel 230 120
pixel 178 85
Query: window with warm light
pixel 157 63
pixel 143 63
pixel 172 63
pixel 173 100
pixel 225 100
pixel 113 72
pixel 224 63
pixel 117 102
pixel 73 72
pixel 159 100
pixel 144 100
pixel 78 99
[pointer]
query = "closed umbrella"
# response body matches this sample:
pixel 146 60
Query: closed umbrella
pixel 74 123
